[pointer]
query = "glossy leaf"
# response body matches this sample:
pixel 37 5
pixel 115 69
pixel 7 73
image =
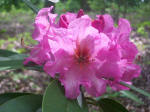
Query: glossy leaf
pixel 6 53
pixel 8 96
pixel 136 89
pixel 132 96
pixel 109 95
pixel 36 68
pixel 12 62
pixel 26 103
pixel 55 101
pixel 109 105
pixel 39 110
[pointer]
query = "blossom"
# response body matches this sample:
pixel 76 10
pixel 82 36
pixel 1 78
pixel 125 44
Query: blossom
pixel 65 19
pixel 85 52
pixel 103 23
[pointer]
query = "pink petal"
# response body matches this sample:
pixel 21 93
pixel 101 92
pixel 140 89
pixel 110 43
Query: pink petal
pixel 117 87
pixel 71 82
pixel 97 86
pixel 80 13
pixel 70 16
pixel 38 32
pixel 128 50
pixel 71 85
pixel 40 53
pixel 109 53
pixel 124 26
pixel 104 23
pixel 42 22
pixel 98 25
pixel 110 70
pixel 87 44
pixel 63 43
pixel 38 56
pixel 45 17
pixel 80 28
pixel 63 21
pixel 62 60
pixel 78 75
pixel 131 71
pixel 108 23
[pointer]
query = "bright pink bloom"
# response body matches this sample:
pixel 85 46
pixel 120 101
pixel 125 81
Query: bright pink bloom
pixel 118 57
pixel 65 19
pixel 87 53
pixel 40 53
pixel 43 21
pixel 75 59
pixel 104 23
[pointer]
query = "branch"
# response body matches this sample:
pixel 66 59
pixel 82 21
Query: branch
pixel 31 6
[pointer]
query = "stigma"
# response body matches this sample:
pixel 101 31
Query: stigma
pixel 82 56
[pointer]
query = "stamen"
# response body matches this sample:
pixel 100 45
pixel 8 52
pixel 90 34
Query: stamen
pixel 82 56
pixel 25 46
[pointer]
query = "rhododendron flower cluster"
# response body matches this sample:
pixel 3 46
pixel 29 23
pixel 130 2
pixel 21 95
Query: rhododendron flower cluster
pixel 84 52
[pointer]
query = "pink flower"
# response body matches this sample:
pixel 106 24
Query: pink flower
pixel 118 57
pixel 40 53
pixel 43 21
pixel 87 53
pixel 104 23
pixel 65 19
pixel 75 59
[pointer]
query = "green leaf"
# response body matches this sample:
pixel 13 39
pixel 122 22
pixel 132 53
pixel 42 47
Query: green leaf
pixel 26 103
pixel 12 62
pixel 39 110
pixel 109 95
pixel 35 67
pixel 6 53
pixel 132 96
pixel 8 96
pixel 31 6
pixel 109 105
pixel 54 100
pixel 136 89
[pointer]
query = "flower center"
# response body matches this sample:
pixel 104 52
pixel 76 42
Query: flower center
pixel 82 56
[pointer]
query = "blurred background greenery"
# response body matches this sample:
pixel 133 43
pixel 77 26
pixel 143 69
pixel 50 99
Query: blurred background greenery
pixel 16 21
pixel 17 14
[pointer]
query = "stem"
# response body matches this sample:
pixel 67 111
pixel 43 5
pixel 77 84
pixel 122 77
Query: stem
pixel 31 6
pixel 92 103
pixel 90 99
pixel 136 89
